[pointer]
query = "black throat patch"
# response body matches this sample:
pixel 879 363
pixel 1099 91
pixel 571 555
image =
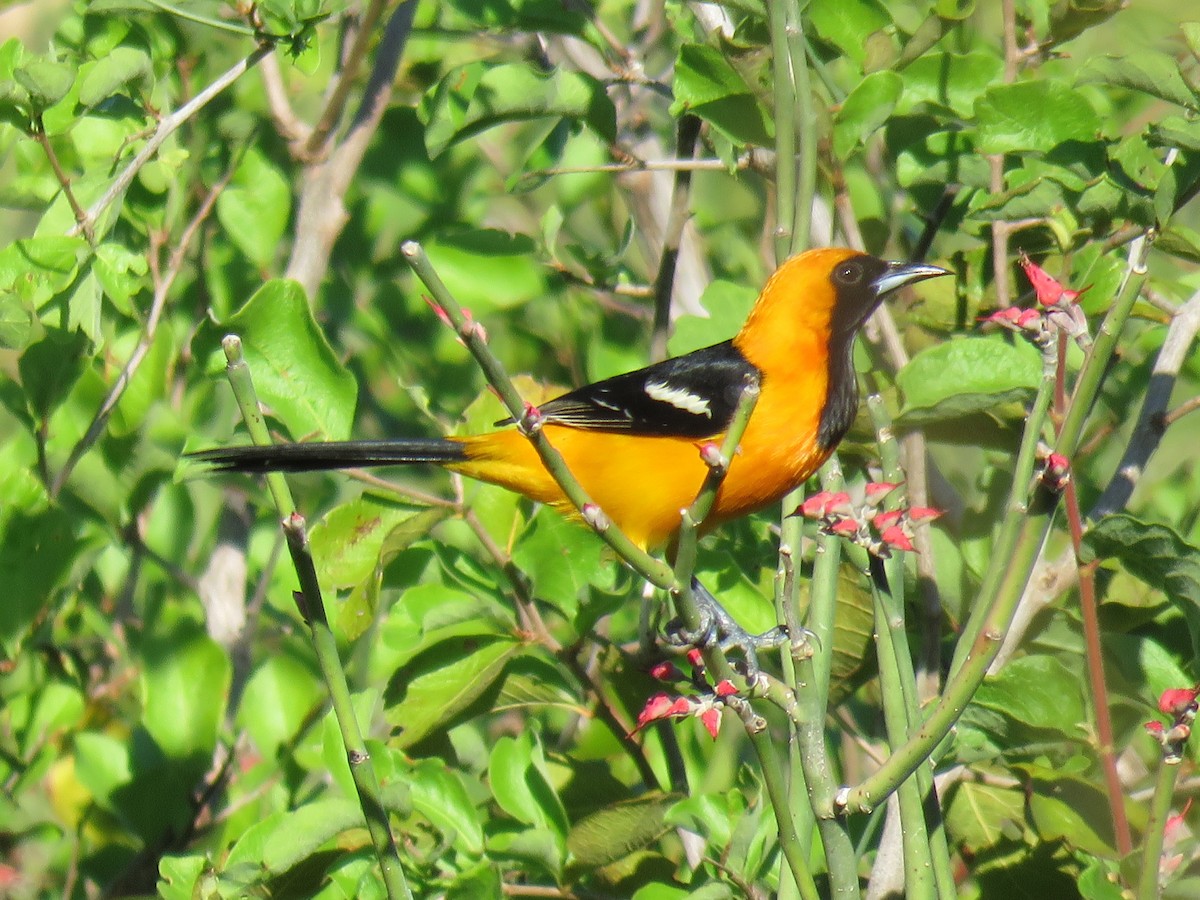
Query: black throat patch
pixel 856 300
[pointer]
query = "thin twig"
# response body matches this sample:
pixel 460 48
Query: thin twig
pixel 81 220
pixel 315 146
pixel 1154 416
pixel 290 126
pixel 630 164
pixel 166 128
pixel 321 213
pixel 162 289
pixel 1093 650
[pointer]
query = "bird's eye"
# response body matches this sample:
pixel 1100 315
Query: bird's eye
pixel 848 273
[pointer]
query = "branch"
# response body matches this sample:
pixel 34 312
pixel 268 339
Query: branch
pixel 81 219
pixel 653 570
pixel 312 607
pixel 166 128
pixel 161 289
pixel 320 214
pixel 1152 420
pixel 290 126
pixel 316 144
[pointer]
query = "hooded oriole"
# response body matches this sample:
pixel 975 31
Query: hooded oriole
pixel 632 440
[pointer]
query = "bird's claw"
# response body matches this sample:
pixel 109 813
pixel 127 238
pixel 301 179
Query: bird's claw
pixel 718 629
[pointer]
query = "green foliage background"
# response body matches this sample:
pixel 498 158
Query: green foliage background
pixel 143 746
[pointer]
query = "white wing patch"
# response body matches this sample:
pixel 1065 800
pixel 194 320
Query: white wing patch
pixel 679 398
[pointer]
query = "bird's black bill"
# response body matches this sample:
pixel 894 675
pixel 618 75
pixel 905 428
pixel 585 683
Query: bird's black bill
pixel 898 275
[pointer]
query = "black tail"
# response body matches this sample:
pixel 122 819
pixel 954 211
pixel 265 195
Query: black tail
pixel 331 455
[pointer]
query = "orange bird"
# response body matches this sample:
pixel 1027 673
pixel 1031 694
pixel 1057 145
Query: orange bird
pixel 631 440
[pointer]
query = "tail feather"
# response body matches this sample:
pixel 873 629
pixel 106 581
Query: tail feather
pixel 325 455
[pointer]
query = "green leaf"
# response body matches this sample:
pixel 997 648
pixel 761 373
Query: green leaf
pixel 1075 811
pixel 1154 553
pixel 50 368
pixel 1191 35
pixel 438 793
pixel 347 544
pixel 981 816
pixel 487 269
pixel 727 303
pixel 865 110
pixel 480 883
pixel 148 385
pixel 103 765
pixel 848 24
pixel 1038 691
pixel 185 683
pixel 299 834
pixel 295 370
pixel 179 877
pixel 1033 115
pixel 110 73
pixel 1148 71
pixel 46 81
pixel 443 681
pixel 561 559
pixel 954 10
pixel 479 96
pixel 1175 131
pixel 966 376
pixel 1040 198
pixel 707 85
pixel 519 782
pixel 615 831
pixel 38 269
pixel 36 551
pixel 120 273
pixel 1181 241
pixel 255 207
pixel 277 700
pixel 16 323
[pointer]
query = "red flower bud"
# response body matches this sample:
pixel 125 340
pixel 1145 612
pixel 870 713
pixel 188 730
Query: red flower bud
pixel 895 538
pixel 1176 701
pixel 877 490
pixel 711 719
pixel 887 518
pixel 666 671
pixel 824 503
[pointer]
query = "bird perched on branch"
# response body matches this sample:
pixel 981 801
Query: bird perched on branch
pixel 631 440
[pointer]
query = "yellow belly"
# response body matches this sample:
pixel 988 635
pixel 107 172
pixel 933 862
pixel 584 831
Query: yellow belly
pixel 644 483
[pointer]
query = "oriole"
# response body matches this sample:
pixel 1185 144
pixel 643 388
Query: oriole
pixel 632 440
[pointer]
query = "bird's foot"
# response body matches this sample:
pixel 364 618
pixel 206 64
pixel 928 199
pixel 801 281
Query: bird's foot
pixel 718 629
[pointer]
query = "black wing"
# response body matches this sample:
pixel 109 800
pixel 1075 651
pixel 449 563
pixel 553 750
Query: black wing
pixel 694 395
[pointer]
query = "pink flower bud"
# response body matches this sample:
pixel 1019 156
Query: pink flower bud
pixel 1176 701
pixel 711 719
pixel 895 538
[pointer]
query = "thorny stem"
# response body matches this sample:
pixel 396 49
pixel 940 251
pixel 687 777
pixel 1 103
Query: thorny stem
pixel 1090 614
pixel 312 603
pixel 1155 834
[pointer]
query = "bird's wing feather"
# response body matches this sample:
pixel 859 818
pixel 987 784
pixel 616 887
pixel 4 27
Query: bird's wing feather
pixel 692 396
